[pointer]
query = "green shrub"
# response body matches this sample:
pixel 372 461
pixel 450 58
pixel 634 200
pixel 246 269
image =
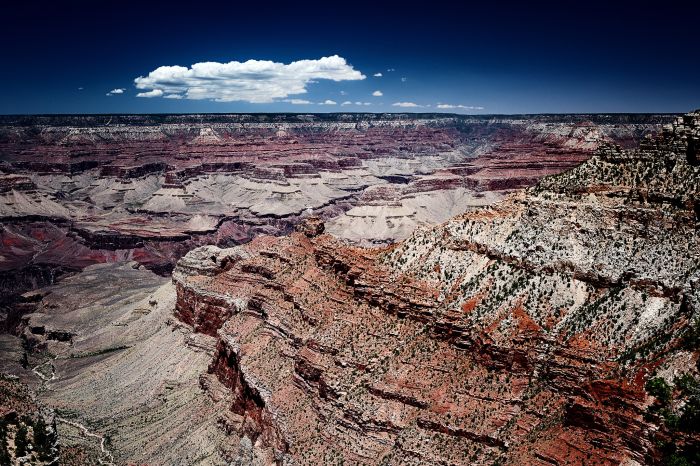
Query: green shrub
pixel 21 441
pixel 658 388
pixel 690 417
pixel 687 384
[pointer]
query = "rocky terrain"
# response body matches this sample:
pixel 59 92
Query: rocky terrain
pixel 551 325
pixel 81 190
pixel 559 326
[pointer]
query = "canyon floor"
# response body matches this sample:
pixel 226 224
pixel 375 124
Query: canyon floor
pixel 350 289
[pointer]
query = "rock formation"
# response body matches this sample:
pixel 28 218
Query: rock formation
pixel 80 190
pixel 553 325
pixel 559 326
pixel 120 375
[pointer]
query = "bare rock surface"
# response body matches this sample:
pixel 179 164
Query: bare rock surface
pixel 511 325
pixel 79 190
pixel 537 330
pixel 122 377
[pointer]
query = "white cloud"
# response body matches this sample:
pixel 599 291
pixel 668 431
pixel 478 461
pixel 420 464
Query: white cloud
pixel 404 79
pixel 169 96
pixel 377 75
pixel 113 91
pixel 298 101
pixel 343 93
pixel 405 104
pixel 81 88
pixel 347 102
pixel 377 93
pixel 391 69
pixel 156 93
pixel 328 102
pixel 255 81
pixel 463 107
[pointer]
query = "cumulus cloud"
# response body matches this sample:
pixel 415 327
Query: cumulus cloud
pixel 347 102
pixel 377 93
pixel 328 102
pixel 113 91
pixel 405 104
pixel 377 75
pixel 255 81
pixel 463 107
pixel 298 101
pixel 157 93
pixel 363 103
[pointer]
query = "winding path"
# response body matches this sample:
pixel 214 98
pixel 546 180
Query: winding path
pixel 106 457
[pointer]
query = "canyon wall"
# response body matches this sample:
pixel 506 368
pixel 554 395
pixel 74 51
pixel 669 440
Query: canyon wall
pixel 80 190
pixel 558 326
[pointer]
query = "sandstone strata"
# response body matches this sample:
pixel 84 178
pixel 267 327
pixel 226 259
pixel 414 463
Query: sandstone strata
pixel 80 190
pixel 519 333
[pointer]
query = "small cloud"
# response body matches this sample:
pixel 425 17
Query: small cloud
pixel 343 93
pixel 391 69
pixel 377 93
pixel 377 75
pixel 153 93
pixel 347 102
pixel 81 88
pixel 173 96
pixel 405 104
pixel 328 102
pixel 363 103
pixel 404 79
pixel 113 91
pixel 462 107
pixel 298 101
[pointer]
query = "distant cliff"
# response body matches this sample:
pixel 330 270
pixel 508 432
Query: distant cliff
pixel 77 190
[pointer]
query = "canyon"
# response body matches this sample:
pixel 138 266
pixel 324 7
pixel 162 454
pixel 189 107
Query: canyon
pixel 81 190
pixel 352 288
pixel 559 326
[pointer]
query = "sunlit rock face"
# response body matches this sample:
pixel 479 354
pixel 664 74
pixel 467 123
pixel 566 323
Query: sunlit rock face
pixel 533 330
pixel 79 190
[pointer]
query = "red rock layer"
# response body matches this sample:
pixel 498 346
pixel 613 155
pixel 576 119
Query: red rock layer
pixel 517 334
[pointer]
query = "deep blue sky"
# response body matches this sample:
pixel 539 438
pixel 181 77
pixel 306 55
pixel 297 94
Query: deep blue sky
pixel 524 57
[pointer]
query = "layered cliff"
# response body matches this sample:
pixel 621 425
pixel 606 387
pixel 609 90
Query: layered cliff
pixel 559 326
pixel 80 190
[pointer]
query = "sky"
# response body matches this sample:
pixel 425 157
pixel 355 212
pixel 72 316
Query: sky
pixel 487 57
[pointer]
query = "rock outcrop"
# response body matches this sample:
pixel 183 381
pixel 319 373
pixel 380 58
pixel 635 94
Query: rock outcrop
pixel 80 190
pixel 558 326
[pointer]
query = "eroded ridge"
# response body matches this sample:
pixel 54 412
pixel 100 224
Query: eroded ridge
pixel 540 330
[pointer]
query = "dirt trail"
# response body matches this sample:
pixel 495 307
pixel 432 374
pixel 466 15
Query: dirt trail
pixel 106 457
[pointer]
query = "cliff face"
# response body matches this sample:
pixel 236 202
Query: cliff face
pixel 559 326
pixel 80 190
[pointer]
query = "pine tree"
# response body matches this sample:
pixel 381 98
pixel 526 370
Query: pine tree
pixel 21 441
